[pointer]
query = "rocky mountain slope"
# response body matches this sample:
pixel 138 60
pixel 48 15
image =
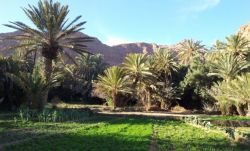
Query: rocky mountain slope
pixel 112 54
pixel 245 30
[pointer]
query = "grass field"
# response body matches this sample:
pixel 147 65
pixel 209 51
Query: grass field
pixel 102 133
pixel 219 117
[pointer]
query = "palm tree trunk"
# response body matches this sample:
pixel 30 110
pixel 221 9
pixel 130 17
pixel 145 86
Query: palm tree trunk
pixel 240 110
pixel 148 101
pixel 48 68
pixel 48 72
pixel 114 100
pixel 248 109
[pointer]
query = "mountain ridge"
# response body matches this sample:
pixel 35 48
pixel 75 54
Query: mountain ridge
pixel 113 55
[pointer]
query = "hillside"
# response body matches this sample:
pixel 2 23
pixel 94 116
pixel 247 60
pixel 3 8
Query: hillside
pixel 113 55
pixel 245 30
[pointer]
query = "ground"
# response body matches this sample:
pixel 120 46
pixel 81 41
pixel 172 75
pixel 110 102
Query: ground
pixel 110 133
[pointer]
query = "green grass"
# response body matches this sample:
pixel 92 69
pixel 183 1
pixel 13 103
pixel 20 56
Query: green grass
pixel 101 133
pixel 218 117
pixel 176 135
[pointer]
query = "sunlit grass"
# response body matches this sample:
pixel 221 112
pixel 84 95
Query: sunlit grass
pixel 103 133
pixel 218 117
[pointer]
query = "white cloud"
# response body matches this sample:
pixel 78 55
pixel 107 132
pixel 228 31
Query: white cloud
pixel 201 5
pixel 112 40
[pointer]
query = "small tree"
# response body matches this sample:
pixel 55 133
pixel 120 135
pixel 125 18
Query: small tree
pixel 34 85
pixel 112 83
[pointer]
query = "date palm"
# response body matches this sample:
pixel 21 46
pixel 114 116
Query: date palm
pixel 218 45
pixel 190 48
pixel 163 63
pixel 52 33
pixel 112 83
pixel 137 67
pixel 79 76
pixel 34 85
pixel 228 66
pixel 234 92
pixel 237 44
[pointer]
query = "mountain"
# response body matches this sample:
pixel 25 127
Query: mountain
pixel 245 30
pixel 113 55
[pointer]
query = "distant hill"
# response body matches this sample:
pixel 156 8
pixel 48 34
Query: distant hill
pixel 113 55
pixel 245 30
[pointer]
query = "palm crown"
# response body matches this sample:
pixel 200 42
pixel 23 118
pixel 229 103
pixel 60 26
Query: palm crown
pixel 52 32
pixel 189 49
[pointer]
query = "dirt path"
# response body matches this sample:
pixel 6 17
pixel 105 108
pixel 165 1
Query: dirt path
pixel 162 115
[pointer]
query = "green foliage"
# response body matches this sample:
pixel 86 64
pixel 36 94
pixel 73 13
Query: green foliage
pixel 10 93
pixel 227 66
pixel 233 92
pixel 51 115
pixel 225 118
pixel 34 85
pixel 163 63
pixel 78 77
pixel 113 82
pixel 176 135
pixel 237 44
pixel 113 133
pixel 189 49
pixel 137 67
pixel 52 31
pixel 196 83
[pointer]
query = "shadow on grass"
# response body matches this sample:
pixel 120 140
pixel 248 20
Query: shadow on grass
pixel 98 142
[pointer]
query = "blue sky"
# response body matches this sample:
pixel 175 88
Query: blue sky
pixel 154 21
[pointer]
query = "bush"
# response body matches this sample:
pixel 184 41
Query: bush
pixel 52 115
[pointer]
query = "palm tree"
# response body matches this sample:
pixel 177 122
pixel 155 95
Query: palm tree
pixel 113 82
pixel 190 48
pixel 237 44
pixel 91 65
pixel 35 85
pixel 52 33
pixel 137 67
pixel 163 63
pixel 234 92
pixel 228 66
pixel 218 45
pixel 79 76
pixel 7 87
pixel 240 91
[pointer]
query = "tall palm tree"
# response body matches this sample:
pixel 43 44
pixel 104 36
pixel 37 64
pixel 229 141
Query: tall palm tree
pixel 228 66
pixel 237 44
pixel 137 67
pixel 163 63
pixel 52 33
pixel 113 82
pixel 190 48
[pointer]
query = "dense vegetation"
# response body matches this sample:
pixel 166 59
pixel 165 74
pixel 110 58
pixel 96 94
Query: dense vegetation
pixel 51 65
pixel 193 76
